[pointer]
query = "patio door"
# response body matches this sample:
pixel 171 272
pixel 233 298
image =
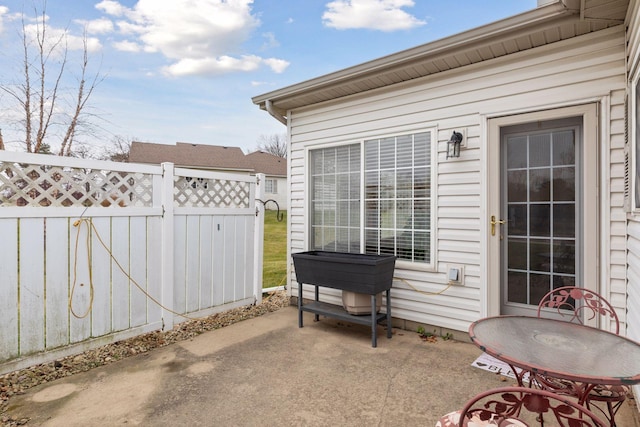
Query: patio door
pixel 542 225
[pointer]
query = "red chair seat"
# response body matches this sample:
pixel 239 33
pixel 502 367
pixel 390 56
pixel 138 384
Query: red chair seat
pixel 452 419
pixel 606 392
pixel 518 407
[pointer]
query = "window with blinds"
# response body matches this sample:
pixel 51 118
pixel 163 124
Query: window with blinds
pixel 379 202
pixel 335 198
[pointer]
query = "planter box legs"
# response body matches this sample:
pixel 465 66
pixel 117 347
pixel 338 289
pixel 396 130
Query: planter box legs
pixel 360 273
pixel 335 311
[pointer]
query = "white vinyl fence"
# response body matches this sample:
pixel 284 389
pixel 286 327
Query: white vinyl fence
pixel 93 252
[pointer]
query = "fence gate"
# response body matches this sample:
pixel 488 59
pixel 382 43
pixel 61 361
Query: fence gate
pixel 94 252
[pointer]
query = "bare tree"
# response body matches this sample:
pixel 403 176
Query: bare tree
pixel 83 95
pixel 118 150
pixel 83 151
pixel 40 93
pixel 275 144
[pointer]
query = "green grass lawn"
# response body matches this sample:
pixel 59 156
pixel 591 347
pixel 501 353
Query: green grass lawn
pixel 274 270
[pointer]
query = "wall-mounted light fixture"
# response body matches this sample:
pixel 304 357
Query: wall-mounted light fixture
pixel 453 145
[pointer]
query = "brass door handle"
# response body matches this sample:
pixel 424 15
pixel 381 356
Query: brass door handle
pixel 494 222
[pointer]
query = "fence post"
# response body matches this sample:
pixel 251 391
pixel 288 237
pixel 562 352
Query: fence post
pixel 166 197
pixel 258 236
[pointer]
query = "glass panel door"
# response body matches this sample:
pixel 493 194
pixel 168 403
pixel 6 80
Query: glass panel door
pixel 539 205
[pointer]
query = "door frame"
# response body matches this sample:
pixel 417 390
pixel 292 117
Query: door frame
pixel 590 189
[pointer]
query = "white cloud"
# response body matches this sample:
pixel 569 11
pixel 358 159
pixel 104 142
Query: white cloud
pixel 212 66
pixel 222 65
pixel 383 15
pixel 128 28
pixel 277 65
pixel 127 46
pixel 57 38
pixel 71 42
pixel 5 16
pixel 271 40
pixel 199 36
pixel 111 7
pixel 93 44
pixel 3 11
pixel 96 26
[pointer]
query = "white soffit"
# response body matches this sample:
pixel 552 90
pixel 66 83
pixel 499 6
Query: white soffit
pixel 549 23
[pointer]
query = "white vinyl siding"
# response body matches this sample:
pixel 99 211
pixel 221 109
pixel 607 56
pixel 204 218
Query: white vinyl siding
pixel 588 68
pixel 632 272
pixel 276 191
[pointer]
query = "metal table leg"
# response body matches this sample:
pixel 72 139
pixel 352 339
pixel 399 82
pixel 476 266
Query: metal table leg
pixel 388 313
pixel 317 317
pixel 299 305
pixel 374 322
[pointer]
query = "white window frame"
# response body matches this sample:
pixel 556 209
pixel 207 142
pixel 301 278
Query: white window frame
pixel 433 153
pixel 270 184
pixel 634 131
pixel 345 228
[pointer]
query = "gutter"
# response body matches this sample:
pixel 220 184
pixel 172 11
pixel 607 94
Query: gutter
pixel 536 17
pixel 271 110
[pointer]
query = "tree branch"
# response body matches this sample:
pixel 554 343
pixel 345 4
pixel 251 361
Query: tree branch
pixel 47 108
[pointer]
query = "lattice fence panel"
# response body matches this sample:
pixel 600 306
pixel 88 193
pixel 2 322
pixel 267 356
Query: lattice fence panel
pixel 216 193
pixel 58 186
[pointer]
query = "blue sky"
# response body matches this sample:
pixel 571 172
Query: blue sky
pixel 186 70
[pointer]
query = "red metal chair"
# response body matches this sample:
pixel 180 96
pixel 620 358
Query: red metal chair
pixel 521 407
pixel 578 305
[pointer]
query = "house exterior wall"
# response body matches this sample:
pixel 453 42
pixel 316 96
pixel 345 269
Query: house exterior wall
pixel 280 196
pixel 633 224
pixel 589 68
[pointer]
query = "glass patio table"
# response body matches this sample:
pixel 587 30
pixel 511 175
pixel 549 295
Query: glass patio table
pixel 564 350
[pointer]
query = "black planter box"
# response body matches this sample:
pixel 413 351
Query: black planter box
pixel 361 273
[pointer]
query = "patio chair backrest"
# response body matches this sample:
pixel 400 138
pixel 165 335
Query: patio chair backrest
pixel 525 406
pixel 574 304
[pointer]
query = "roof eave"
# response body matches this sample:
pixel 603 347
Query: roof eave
pixel 502 28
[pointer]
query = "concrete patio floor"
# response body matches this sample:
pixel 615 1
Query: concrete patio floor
pixel 267 372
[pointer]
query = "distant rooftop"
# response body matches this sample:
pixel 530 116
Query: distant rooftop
pixel 267 163
pixel 204 156
pixel 191 155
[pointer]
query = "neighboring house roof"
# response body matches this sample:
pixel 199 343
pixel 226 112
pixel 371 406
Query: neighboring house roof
pixel 551 22
pixel 191 155
pixel 267 163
